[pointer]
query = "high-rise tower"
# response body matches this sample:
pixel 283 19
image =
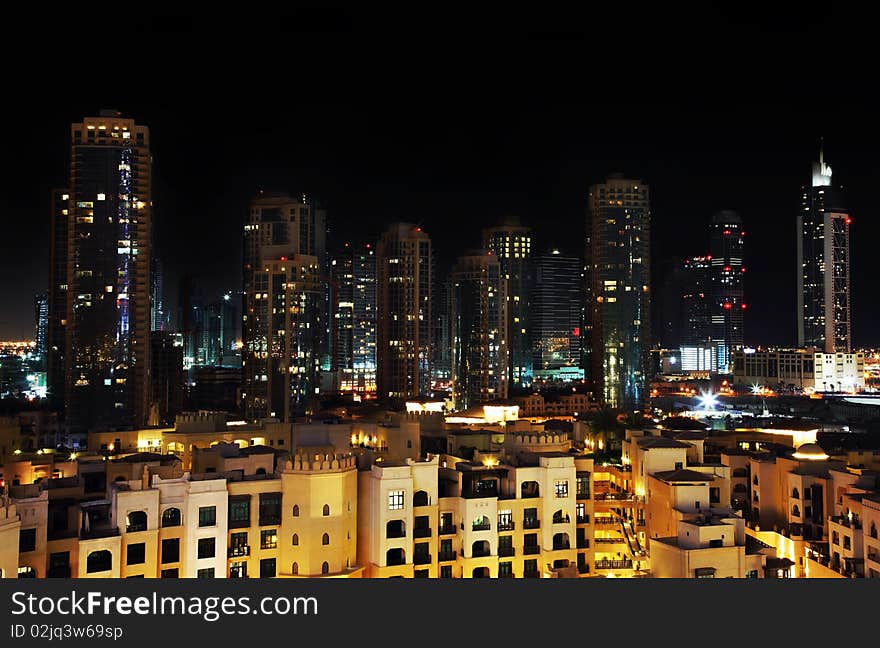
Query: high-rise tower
pixel 479 342
pixel 823 265
pixel 617 306
pixel 727 305
pixel 108 274
pixel 283 302
pixel 555 311
pixel 511 243
pixel 404 289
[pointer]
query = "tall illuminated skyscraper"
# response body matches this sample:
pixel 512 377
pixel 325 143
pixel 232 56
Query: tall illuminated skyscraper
pixel 617 309
pixel 108 274
pixel 353 290
pixel 41 329
pixel 479 319
pixel 511 243
pixel 283 301
pixel 404 291
pixel 727 305
pixel 555 311
pixel 823 265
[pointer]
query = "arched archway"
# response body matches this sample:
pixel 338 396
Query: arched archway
pixel 295 539
pixel 294 569
pixel 395 529
pixel 396 556
pixel 326 511
pixel 530 489
pixel 171 517
pixel 325 568
pixel 481 548
pixel 420 498
pixel 99 561
pixel 480 572
pixel 136 521
pixel 560 541
pixel 296 510
pixel 325 539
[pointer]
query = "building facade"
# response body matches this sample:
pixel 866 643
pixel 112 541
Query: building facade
pixel 617 309
pixel 727 305
pixel 556 311
pixel 823 265
pixel 805 370
pixel 511 243
pixel 404 292
pixel 282 321
pixel 480 335
pixel 107 358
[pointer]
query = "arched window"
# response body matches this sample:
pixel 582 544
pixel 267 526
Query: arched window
pixel 295 568
pixel 171 517
pixel 137 521
pixel 325 568
pixel 326 510
pixel 295 540
pixel 420 498
pixel 99 561
pixel 795 511
pixel 325 539
pixel 296 510
pixel 795 494
pixel 873 530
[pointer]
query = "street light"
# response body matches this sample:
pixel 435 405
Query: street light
pixel 756 389
pixel 708 400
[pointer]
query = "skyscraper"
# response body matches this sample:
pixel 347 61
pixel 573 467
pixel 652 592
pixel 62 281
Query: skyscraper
pixel 511 243
pixel 617 311
pixel 727 305
pixel 695 302
pixel 353 286
pixel 218 332
pixel 41 329
pixel 282 327
pixel 166 377
pixel 555 312
pixel 404 286
pixel 823 268
pixel 479 342
pixel 59 283
pixel 441 367
pixel 108 274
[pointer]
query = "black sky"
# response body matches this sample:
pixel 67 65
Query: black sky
pixel 452 120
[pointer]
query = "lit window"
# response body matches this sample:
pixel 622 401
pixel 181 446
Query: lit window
pixel 395 500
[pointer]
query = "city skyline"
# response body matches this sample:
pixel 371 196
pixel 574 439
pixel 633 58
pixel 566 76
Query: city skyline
pixel 379 152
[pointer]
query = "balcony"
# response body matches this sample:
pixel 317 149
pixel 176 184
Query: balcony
pixel 446 556
pixel 422 533
pixel 582 519
pixel 844 521
pixel 561 519
pixel 270 520
pixel 507 575
pixel 604 521
pixel 507 526
pixel 561 545
pixel 530 523
pixel 481 526
pixel 620 497
pixel 506 552
pixel 583 543
pixel 237 552
pixel 582 496
pixel 532 574
pixel 481 553
pixel 448 529
pixel 423 559
pixel 614 564
pixel 609 540
pixel 530 550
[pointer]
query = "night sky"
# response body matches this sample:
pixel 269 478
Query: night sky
pixel 453 120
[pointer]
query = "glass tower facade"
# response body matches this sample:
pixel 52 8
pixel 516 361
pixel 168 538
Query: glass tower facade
pixel 555 311
pixel 617 306
pixel 726 244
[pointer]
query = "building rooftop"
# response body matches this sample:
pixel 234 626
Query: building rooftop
pixel 660 442
pixel 683 475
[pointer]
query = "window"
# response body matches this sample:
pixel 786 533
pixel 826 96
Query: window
pixel 171 550
pixel 325 539
pixel 171 517
pixel 295 540
pixel 239 511
pixel 446 571
pixel 205 573
pixel 582 486
pixel 238 569
pixel 269 539
pixel 136 554
pixel 294 569
pixel 530 568
pixel 137 521
pixel 325 568
pixel 170 573
pixel 580 510
pixel 207 547
pixel 505 520
pixel 679 465
pixel 27 540
pixel 561 486
pixel 207 516
pixel 326 510
pixel 704 572
pixel 505 570
pixel 267 568
pixel 296 510
pixel 99 561
pixel 270 508
pixel 395 500
pixel 753 573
